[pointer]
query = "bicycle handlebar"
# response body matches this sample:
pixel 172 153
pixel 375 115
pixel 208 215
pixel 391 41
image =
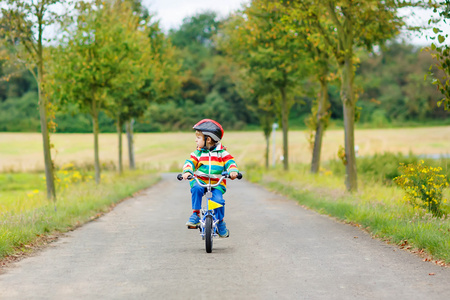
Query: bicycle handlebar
pixel 180 177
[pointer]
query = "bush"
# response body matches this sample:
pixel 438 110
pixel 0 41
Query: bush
pixel 423 186
pixel 69 174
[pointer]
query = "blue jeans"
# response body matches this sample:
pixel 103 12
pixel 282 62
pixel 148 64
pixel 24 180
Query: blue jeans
pixel 197 194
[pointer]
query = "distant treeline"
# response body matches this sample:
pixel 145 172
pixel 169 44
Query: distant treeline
pixel 391 85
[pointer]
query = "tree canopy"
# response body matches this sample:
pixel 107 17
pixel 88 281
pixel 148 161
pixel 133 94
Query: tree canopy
pixel 271 61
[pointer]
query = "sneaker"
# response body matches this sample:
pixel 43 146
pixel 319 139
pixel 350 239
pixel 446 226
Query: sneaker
pixel 222 230
pixel 193 221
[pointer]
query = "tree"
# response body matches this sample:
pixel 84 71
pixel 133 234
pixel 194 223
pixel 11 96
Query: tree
pixel 320 113
pixel 441 52
pixel 320 62
pixel 23 25
pixel 260 100
pixel 150 74
pixel 355 23
pixel 394 89
pixel 89 59
pixel 135 67
pixel 157 70
pixel 257 38
pixel 207 85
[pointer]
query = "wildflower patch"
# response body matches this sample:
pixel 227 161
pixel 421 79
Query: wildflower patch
pixel 423 186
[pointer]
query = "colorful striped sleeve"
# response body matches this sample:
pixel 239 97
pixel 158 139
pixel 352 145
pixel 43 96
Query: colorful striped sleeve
pixel 230 164
pixel 190 165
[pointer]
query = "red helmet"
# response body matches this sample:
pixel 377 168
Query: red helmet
pixel 210 128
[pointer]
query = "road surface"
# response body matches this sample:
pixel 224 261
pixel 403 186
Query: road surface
pixel 277 250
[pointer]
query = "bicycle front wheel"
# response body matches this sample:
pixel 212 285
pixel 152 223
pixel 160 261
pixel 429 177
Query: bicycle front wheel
pixel 209 234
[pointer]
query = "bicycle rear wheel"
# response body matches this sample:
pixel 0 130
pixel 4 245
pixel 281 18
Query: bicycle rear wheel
pixel 209 234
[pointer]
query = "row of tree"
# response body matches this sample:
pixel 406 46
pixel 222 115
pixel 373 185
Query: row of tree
pixel 389 82
pixel 111 60
pixel 281 44
pixel 109 56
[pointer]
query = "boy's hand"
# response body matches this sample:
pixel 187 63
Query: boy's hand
pixel 186 175
pixel 233 175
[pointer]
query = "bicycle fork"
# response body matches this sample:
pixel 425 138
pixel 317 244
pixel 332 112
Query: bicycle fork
pixel 205 213
pixel 203 226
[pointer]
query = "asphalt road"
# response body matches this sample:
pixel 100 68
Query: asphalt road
pixel 277 250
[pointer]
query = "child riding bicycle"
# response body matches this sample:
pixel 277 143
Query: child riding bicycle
pixel 208 162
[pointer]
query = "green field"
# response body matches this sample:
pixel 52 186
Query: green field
pixel 167 151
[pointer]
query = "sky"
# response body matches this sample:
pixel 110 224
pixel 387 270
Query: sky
pixel 172 12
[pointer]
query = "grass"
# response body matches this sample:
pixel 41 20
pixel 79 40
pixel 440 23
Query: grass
pixel 21 181
pixel 26 217
pixel 375 207
pixel 22 152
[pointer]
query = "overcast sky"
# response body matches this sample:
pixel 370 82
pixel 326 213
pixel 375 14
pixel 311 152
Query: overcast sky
pixel 172 12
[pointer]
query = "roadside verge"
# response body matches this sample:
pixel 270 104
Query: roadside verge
pixel 22 232
pixel 377 209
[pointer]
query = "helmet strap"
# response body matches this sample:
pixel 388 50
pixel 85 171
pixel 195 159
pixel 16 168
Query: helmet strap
pixel 213 146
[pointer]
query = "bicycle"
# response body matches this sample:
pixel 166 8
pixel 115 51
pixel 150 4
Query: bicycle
pixel 208 221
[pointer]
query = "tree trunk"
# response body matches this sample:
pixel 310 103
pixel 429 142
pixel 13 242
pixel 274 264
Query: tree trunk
pixel 315 163
pixel 119 132
pixel 49 169
pixel 321 112
pixel 344 56
pixel 285 125
pixel 348 102
pixel 267 149
pixel 49 172
pixel 96 132
pixel 129 126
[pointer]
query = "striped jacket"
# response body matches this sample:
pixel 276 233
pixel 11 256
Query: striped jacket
pixel 203 162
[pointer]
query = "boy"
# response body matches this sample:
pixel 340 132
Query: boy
pixel 209 158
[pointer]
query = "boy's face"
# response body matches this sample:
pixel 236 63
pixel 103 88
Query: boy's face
pixel 199 139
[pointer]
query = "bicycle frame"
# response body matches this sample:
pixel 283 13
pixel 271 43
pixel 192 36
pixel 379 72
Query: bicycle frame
pixel 208 222
pixel 205 210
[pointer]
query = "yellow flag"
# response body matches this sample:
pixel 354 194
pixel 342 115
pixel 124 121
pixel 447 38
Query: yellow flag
pixel 213 205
